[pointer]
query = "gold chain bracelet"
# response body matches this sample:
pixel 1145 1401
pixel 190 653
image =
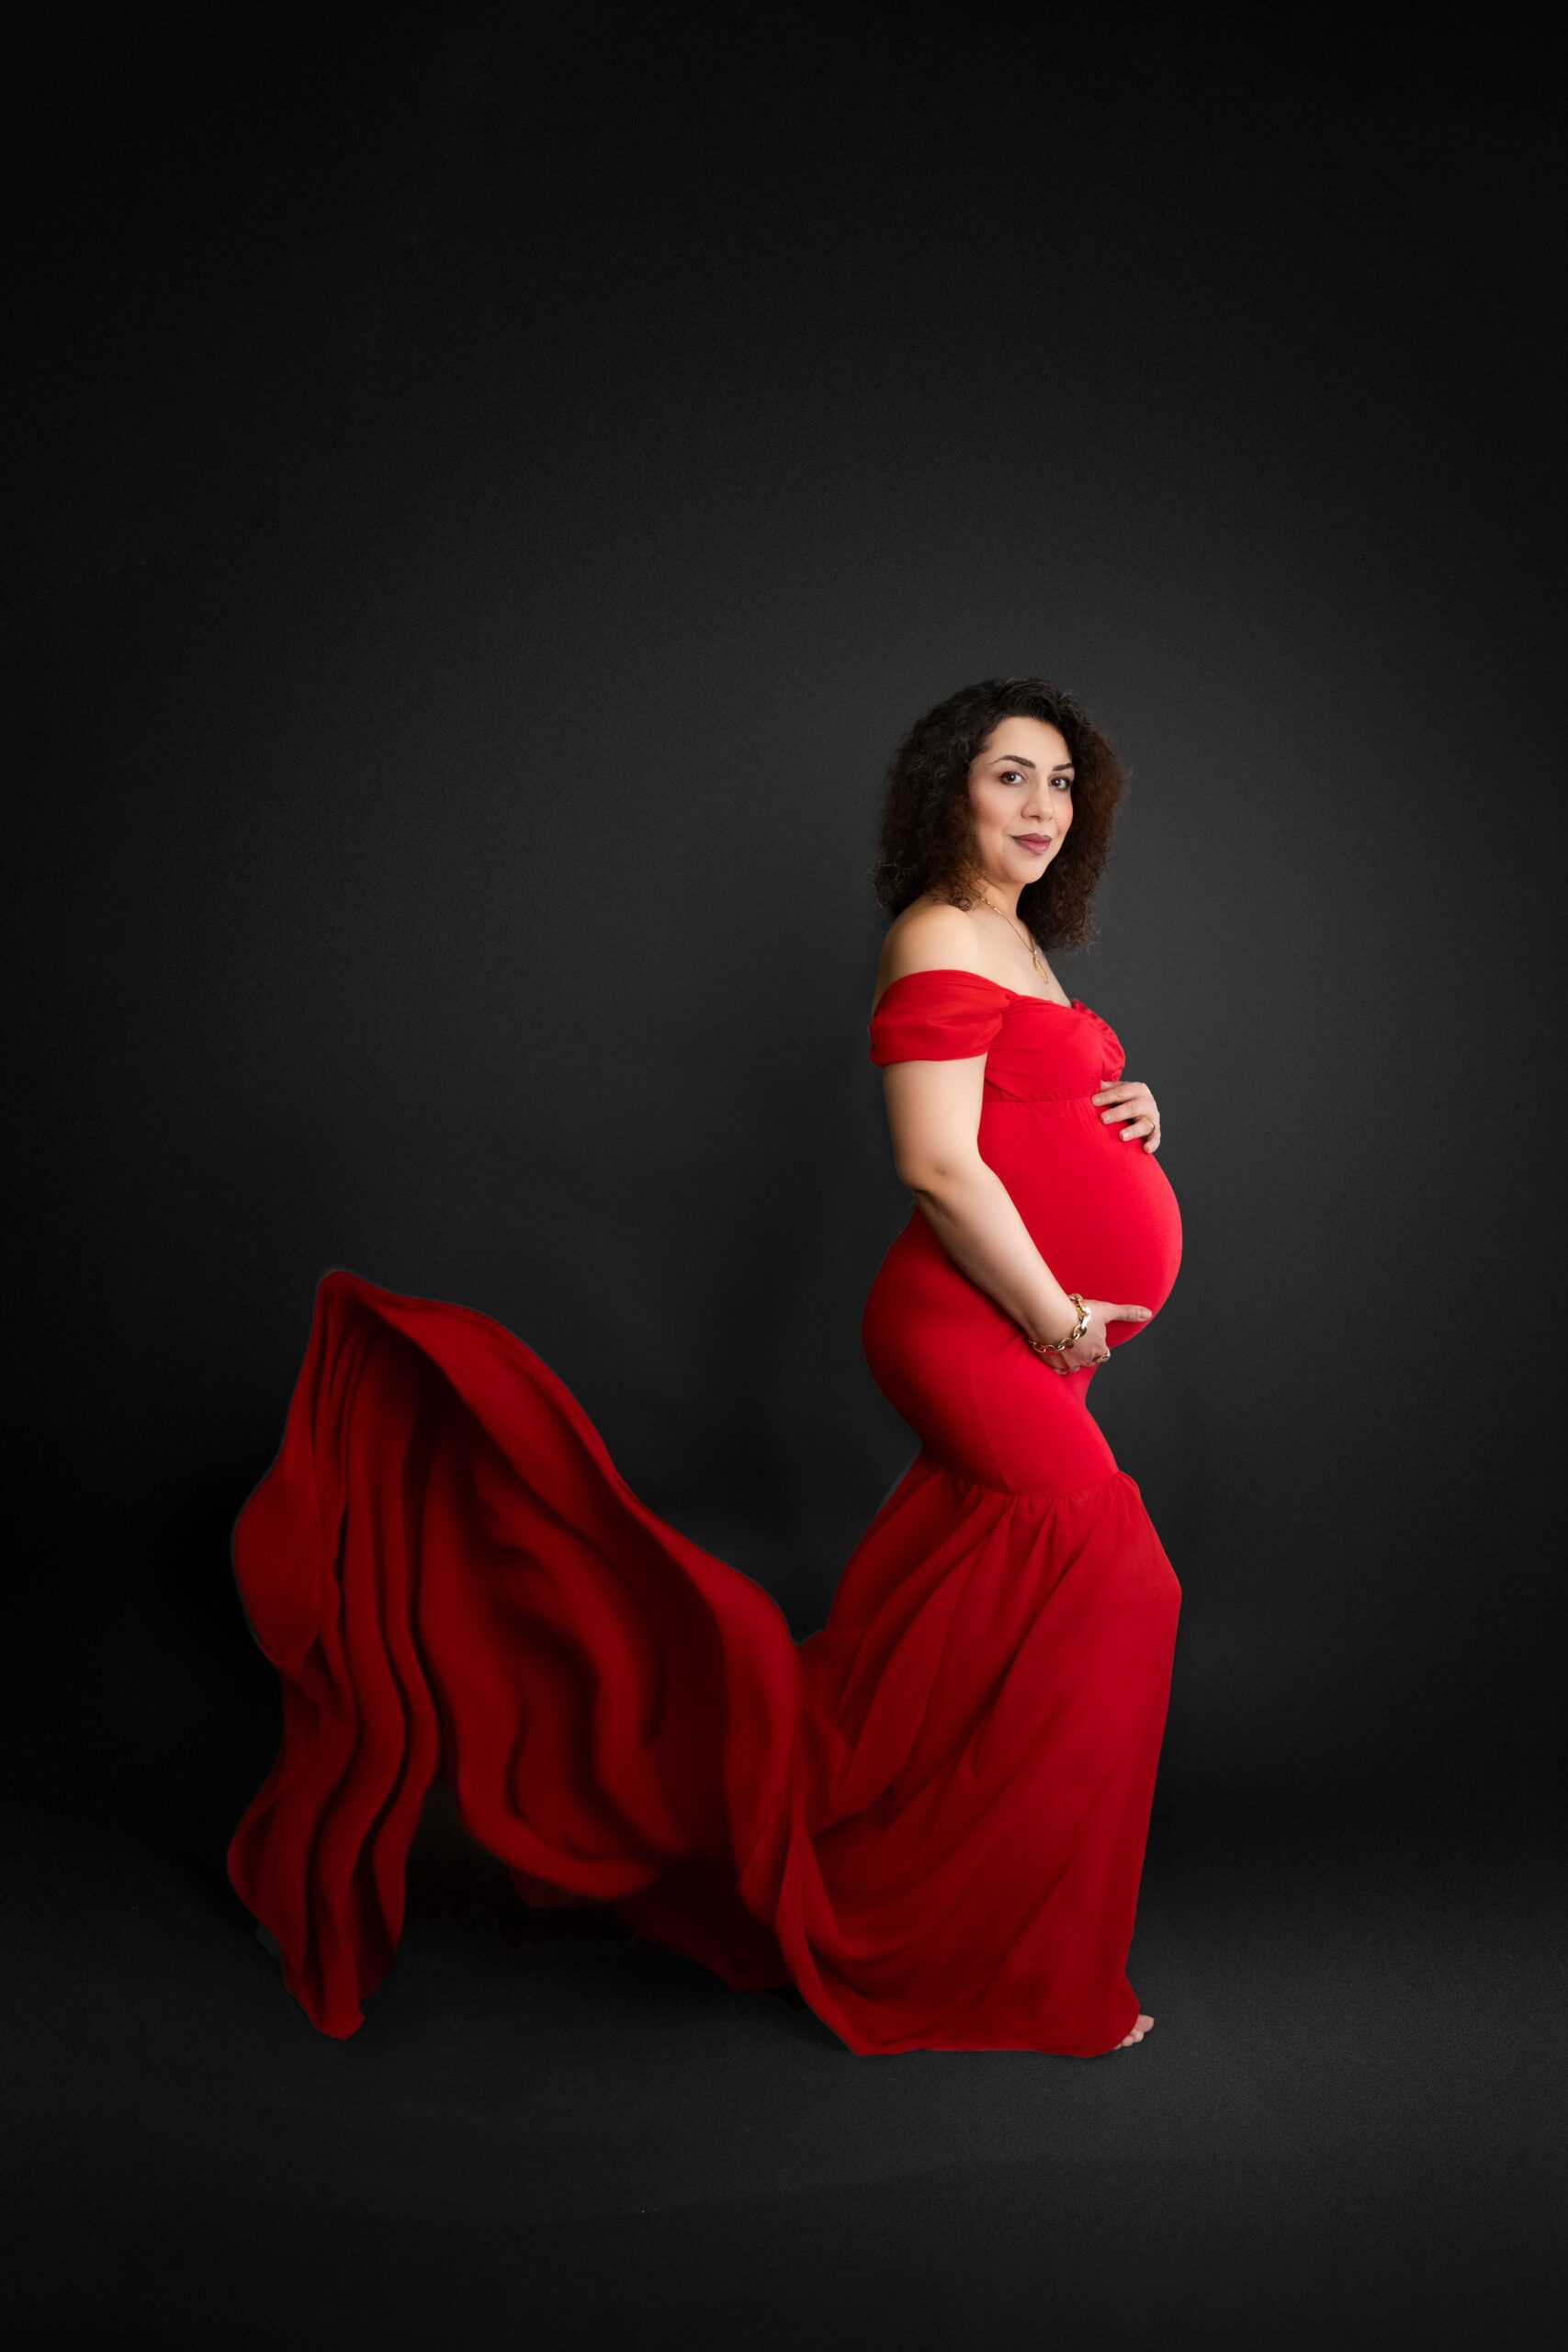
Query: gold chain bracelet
pixel 1058 1347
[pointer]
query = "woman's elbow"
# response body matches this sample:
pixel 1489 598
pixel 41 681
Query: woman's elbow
pixel 937 1173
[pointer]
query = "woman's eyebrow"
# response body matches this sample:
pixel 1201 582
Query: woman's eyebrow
pixel 1016 760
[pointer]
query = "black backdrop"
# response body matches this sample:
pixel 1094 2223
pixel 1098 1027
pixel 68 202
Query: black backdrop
pixel 499 481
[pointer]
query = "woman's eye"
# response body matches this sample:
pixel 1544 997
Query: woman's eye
pixel 1065 781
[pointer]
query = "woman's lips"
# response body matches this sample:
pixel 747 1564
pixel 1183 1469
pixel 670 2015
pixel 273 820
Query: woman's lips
pixel 1034 841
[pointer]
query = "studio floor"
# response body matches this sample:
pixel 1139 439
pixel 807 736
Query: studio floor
pixel 1341 2128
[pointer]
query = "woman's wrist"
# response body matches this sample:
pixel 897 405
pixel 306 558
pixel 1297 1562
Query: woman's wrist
pixel 1070 1327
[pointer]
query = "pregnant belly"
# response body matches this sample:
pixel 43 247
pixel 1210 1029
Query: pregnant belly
pixel 953 1363
pixel 1101 1212
pixel 957 1367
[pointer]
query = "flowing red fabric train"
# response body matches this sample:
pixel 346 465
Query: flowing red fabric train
pixel 931 1815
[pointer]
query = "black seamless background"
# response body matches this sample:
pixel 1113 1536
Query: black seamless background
pixel 503 491
pixel 496 485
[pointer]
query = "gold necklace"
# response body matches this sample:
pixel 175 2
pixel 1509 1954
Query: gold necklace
pixel 1034 956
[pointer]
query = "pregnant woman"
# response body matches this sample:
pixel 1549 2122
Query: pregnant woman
pixel 930 1817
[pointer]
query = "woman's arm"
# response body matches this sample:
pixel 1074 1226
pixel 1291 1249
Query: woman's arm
pixel 933 1114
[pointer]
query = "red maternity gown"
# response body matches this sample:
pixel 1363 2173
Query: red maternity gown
pixel 931 1815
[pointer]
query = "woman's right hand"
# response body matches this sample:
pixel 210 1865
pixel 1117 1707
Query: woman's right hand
pixel 1091 1347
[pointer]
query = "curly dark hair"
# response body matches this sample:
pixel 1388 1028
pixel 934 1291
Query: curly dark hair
pixel 927 837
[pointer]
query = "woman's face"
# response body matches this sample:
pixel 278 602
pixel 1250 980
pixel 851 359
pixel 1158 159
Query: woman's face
pixel 1020 790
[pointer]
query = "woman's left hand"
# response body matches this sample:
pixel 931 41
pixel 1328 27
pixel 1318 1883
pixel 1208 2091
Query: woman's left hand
pixel 1135 1104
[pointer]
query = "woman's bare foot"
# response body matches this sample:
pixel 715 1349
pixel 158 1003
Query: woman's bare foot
pixel 1137 2033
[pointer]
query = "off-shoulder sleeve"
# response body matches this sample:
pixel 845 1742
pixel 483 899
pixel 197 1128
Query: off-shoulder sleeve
pixel 936 1016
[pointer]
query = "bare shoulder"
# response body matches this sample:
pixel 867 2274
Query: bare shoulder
pixel 930 936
